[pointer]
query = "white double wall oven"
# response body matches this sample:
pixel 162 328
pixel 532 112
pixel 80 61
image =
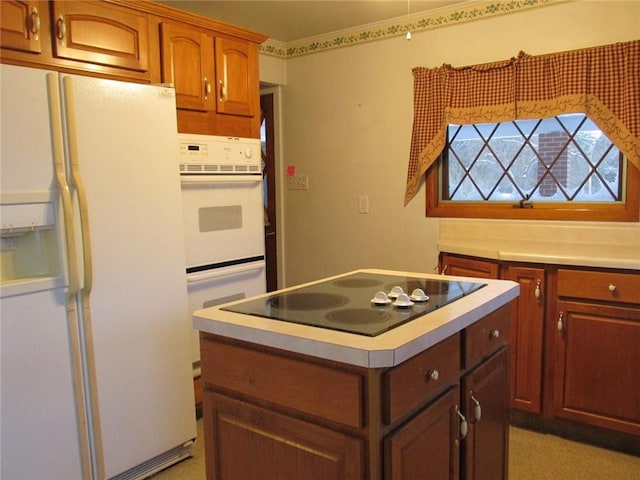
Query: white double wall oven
pixel 223 213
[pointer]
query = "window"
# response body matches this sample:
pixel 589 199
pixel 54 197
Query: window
pixel 562 167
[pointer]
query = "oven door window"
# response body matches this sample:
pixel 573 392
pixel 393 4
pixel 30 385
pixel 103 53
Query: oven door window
pixel 214 219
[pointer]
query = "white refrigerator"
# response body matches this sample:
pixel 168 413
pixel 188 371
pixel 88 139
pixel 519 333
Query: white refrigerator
pixel 96 375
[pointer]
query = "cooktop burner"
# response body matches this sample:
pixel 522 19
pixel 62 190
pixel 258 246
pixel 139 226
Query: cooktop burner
pixel 345 304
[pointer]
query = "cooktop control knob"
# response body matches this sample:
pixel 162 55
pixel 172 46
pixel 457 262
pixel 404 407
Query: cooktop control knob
pixel 248 153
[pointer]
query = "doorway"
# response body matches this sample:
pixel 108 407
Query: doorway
pixel 267 137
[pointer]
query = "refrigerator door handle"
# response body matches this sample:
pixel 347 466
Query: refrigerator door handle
pixel 85 291
pixel 57 138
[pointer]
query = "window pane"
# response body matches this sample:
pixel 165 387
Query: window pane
pixel 558 159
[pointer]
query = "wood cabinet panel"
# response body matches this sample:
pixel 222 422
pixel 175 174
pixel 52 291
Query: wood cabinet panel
pixel 599 285
pixel 485 404
pixel 237 77
pixel 21 26
pixel 329 393
pixel 427 447
pixel 486 336
pixel 417 379
pixel 527 335
pixel 597 373
pixel 468 267
pixel 101 33
pixel 245 441
pixel 188 64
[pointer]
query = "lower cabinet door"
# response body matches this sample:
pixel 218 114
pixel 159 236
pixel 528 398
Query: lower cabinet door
pixel 427 446
pixel 485 400
pixel 597 375
pixel 244 441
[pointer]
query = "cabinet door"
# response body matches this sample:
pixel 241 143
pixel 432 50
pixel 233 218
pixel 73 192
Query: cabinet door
pixel 427 446
pixel 527 329
pixel 277 447
pixel 237 77
pixel 468 267
pixel 597 374
pixel 187 63
pixel 101 33
pixel 21 25
pixel 486 407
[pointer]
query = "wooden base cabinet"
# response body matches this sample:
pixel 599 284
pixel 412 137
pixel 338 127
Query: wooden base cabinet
pixel 247 442
pixel 598 349
pixel 272 414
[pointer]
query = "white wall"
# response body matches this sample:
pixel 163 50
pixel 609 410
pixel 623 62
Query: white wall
pixel 346 123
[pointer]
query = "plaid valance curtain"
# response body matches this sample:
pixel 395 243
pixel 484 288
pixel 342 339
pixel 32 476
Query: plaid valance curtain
pixel 602 82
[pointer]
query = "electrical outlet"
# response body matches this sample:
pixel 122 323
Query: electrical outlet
pixel 298 182
pixel 363 204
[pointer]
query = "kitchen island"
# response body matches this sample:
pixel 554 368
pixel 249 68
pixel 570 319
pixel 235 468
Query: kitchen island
pixel 428 396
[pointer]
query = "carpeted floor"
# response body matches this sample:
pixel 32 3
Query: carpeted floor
pixel 532 456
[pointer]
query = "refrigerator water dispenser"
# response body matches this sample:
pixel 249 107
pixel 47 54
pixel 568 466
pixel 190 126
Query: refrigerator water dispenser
pixel 28 238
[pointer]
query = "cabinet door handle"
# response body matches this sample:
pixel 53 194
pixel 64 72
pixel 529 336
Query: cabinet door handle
pixel 444 270
pixel 207 87
pixel 61 29
pixel 433 375
pixel 537 291
pixel 494 333
pixel 463 424
pixel 477 409
pixel 223 91
pixel 35 23
pixel 612 287
pixel 561 324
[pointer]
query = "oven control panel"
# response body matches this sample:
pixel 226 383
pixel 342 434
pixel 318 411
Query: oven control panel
pixel 210 155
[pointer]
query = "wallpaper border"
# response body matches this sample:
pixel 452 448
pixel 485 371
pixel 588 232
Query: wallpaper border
pixel 414 23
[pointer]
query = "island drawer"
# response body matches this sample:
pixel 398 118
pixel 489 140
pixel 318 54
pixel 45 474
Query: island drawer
pixel 322 391
pixel 486 335
pixel 411 383
pixel 599 285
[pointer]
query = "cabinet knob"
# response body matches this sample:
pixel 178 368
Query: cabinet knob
pixel 612 287
pixel 207 87
pixel 494 333
pixel 433 375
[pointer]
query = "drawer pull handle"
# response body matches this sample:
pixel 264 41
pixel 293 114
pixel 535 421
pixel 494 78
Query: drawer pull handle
pixel 477 409
pixel 433 375
pixel 561 323
pixel 612 287
pixel 537 291
pixel 463 424
pixel 494 333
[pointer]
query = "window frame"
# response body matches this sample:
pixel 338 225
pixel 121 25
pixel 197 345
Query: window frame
pixel 626 211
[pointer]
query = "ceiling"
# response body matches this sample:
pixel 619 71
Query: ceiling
pixel 292 20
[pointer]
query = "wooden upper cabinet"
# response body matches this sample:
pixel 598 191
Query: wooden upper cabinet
pixel 187 63
pixel 100 33
pixel 21 24
pixel 237 77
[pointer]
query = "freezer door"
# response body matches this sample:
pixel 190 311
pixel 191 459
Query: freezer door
pixel 38 420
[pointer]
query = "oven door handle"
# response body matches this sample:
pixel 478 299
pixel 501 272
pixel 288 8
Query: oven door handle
pixel 223 272
pixel 221 179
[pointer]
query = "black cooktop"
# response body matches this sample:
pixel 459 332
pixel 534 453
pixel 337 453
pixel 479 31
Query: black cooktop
pixel 345 303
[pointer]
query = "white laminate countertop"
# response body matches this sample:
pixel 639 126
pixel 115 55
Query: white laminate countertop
pixel 386 350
